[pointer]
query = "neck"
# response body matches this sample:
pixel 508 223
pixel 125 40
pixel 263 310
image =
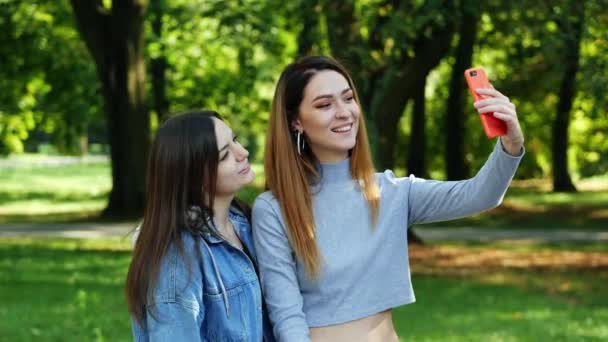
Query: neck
pixel 338 171
pixel 221 207
pixel 330 156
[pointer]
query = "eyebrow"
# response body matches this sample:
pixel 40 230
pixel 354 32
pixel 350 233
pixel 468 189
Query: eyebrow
pixel 226 146
pixel 329 95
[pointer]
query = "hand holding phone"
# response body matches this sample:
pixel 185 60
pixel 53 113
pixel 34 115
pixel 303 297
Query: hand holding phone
pixel 476 78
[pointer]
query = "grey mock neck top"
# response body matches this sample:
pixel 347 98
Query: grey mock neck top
pixel 364 269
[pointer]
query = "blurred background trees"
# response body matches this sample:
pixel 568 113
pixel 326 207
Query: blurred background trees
pixel 98 76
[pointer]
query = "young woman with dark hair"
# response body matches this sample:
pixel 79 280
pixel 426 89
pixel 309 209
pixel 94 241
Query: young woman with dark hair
pixel 193 273
pixel 331 233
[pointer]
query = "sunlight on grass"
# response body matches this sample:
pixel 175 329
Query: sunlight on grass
pixel 40 207
pixel 80 191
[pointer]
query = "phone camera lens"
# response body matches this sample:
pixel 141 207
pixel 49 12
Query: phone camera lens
pixel 473 73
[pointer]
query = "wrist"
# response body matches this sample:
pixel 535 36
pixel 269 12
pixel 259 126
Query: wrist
pixel 512 148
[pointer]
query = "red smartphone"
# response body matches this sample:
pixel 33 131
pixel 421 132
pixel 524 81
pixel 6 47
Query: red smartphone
pixel 476 78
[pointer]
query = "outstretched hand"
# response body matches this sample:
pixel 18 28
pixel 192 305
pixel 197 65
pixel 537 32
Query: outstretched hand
pixel 503 109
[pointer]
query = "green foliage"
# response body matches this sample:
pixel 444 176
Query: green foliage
pixel 227 55
pixel 48 84
pixel 224 56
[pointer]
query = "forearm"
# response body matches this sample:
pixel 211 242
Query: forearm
pixel 438 201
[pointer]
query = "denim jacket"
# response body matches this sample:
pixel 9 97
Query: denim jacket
pixel 218 300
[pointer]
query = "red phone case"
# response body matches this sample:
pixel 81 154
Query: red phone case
pixel 476 78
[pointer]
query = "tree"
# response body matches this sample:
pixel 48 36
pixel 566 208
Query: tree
pixel 571 26
pixel 405 43
pixel 455 131
pixel 158 63
pixel 416 163
pixel 114 38
pixel 309 37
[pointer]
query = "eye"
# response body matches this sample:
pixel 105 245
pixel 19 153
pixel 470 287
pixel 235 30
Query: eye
pixel 222 158
pixel 349 98
pixel 323 105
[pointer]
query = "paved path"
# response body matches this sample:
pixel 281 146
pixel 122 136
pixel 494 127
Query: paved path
pixel 85 230
pixel 428 233
pixel 18 162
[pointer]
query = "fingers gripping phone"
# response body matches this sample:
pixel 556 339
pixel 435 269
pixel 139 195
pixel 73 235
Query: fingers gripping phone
pixel 476 78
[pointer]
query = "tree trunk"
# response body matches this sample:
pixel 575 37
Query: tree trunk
pixel 114 37
pixel 399 85
pixel 308 38
pixel 572 26
pixel 455 121
pixel 416 163
pixel 159 64
pixel 343 32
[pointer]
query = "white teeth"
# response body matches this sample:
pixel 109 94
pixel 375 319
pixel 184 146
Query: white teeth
pixel 342 129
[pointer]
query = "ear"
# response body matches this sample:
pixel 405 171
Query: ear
pixel 297 125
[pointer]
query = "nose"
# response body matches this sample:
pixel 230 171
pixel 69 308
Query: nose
pixel 240 152
pixel 342 112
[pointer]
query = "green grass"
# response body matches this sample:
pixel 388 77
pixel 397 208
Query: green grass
pixel 79 192
pixel 462 310
pixel 60 290
pixel 72 290
pixel 53 193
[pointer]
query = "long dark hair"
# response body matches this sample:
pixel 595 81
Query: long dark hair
pixel 180 191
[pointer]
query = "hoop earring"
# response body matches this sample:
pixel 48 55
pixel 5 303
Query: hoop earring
pixel 300 142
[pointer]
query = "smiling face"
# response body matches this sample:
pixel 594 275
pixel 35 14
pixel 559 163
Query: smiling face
pixel 329 116
pixel 233 170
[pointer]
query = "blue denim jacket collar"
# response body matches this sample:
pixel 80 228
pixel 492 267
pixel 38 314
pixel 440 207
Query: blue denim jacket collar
pixel 239 222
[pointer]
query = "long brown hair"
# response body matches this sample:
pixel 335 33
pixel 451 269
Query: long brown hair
pixel 289 175
pixel 182 174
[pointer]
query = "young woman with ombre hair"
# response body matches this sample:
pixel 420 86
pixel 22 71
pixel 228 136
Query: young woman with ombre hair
pixel 330 232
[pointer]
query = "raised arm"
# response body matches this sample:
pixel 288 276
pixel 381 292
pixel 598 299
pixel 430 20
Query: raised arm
pixel 431 200
pixel 277 267
pixel 439 201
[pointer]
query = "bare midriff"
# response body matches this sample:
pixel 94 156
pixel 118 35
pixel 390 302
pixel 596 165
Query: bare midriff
pixel 375 328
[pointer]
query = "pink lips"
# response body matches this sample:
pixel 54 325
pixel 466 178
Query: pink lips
pixel 245 169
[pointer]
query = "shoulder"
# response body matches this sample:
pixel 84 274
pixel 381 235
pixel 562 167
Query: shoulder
pixel 176 258
pixel 265 203
pixel 388 177
pixel 266 214
pixel 266 197
pixel 177 265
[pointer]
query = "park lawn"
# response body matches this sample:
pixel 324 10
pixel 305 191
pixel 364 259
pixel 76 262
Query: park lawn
pixel 72 290
pixel 53 193
pixel 79 192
